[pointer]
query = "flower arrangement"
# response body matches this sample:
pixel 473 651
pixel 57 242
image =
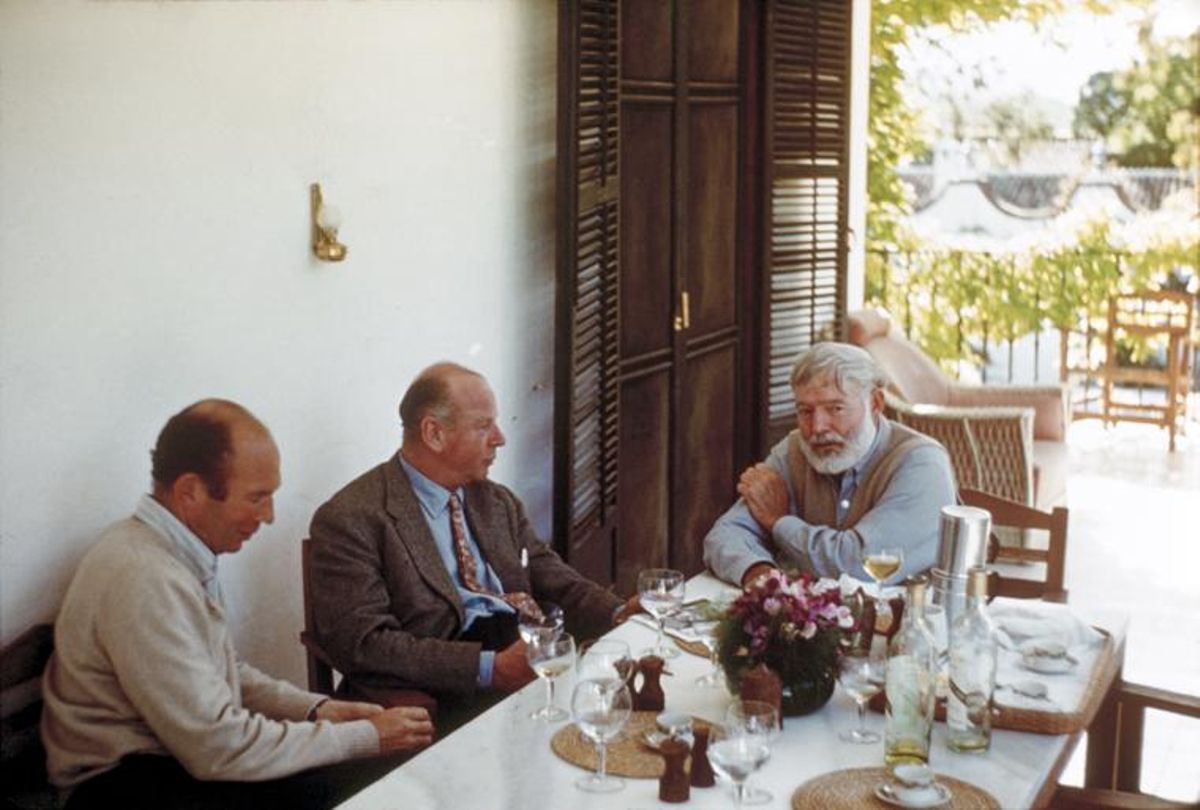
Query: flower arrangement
pixel 794 625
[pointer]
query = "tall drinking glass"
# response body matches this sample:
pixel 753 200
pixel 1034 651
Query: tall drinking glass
pixel 660 592
pixel 707 631
pixel 761 720
pixel 601 708
pixel 550 657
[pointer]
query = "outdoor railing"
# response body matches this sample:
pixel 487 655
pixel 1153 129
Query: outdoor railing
pixel 971 310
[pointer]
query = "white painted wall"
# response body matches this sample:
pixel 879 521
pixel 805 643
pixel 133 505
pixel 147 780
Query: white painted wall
pixel 154 169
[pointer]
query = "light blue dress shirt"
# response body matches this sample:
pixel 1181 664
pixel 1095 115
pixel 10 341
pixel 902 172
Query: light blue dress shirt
pixel 186 546
pixel 435 506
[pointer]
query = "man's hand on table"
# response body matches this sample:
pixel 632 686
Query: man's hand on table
pixel 765 494
pixel 402 728
pixel 510 669
pixel 631 606
pixel 339 711
pixel 756 573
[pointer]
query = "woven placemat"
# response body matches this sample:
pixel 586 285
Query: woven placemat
pixel 627 755
pixel 854 788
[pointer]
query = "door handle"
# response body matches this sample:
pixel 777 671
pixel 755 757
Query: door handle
pixel 683 320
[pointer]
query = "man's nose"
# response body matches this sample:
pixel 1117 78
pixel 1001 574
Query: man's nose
pixel 267 514
pixel 498 439
pixel 819 421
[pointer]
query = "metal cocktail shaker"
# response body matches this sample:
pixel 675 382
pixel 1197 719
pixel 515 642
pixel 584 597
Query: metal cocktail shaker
pixel 962 543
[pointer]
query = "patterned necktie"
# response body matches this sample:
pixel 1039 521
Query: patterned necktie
pixel 520 601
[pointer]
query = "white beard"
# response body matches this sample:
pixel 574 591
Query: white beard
pixel 856 446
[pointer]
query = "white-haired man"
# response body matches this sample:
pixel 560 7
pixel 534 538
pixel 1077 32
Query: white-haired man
pixel 847 482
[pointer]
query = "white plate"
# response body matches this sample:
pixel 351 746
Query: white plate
pixel 939 794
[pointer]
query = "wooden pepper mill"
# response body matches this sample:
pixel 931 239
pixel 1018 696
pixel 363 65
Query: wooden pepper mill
pixel 650 697
pixel 702 772
pixel 673 785
pixel 761 683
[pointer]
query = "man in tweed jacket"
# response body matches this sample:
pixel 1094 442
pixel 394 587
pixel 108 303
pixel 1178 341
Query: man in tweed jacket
pixel 390 607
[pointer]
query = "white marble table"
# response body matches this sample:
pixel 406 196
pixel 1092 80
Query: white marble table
pixel 503 760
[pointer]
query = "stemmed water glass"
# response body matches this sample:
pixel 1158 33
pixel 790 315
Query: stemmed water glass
pixel 881 564
pixel 601 708
pixel 707 632
pixel 606 659
pixel 550 656
pixel 660 592
pixel 551 622
pixel 743 744
pixel 861 675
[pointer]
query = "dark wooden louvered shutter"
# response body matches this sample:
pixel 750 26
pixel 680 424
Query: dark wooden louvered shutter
pixel 586 392
pixel 805 132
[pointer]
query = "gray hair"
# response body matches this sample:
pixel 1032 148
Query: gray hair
pixel 429 394
pixel 840 362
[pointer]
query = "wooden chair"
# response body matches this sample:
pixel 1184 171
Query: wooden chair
pixel 1010 561
pixel 22 758
pixel 321 667
pixel 1009 440
pixel 1154 316
pixel 1121 765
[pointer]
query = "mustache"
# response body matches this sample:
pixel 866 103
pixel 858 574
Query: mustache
pixel 828 437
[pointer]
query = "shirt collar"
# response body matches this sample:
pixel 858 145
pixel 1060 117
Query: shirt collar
pixel 184 544
pixel 432 496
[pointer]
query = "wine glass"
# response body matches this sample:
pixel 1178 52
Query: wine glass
pixel 601 708
pixel 862 677
pixel 550 624
pixel 743 744
pixel 660 592
pixel 607 659
pixel 762 720
pixel 707 631
pixel 882 564
pixel 550 657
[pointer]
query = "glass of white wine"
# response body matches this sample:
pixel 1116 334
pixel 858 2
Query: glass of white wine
pixel 660 592
pixel 862 676
pixel 882 564
pixel 550 657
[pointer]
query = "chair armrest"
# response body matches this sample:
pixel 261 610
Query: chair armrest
pixel 990 449
pixel 1051 404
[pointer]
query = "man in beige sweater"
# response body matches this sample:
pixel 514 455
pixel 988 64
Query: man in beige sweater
pixel 146 703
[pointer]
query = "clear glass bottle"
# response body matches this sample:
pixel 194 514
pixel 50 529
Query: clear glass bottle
pixel 911 674
pixel 973 650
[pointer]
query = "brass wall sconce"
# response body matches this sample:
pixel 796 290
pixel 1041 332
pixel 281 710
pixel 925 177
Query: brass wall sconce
pixel 325 223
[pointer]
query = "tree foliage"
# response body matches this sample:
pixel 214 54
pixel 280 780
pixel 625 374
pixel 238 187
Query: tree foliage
pixel 1146 114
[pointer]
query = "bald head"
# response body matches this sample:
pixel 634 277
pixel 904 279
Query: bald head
pixel 201 439
pixel 432 394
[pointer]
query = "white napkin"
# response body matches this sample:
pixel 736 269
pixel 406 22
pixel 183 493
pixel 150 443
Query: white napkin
pixel 1021 624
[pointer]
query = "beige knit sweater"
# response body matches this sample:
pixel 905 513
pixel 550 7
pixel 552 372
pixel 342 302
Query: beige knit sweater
pixel 144 663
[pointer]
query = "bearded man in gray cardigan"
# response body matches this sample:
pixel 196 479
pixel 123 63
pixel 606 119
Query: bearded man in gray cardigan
pixel 146 702
pixel 391 605
pixel 845 483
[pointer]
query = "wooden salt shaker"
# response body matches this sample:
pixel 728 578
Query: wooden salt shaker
pixel 673 785
pixel 650 697
pixel 702 772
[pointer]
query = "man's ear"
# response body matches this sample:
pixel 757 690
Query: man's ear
pixel 187 490
pixel 433 434
pixel 877 401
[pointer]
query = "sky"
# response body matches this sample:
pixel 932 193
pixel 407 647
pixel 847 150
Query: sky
pixel 1053 61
